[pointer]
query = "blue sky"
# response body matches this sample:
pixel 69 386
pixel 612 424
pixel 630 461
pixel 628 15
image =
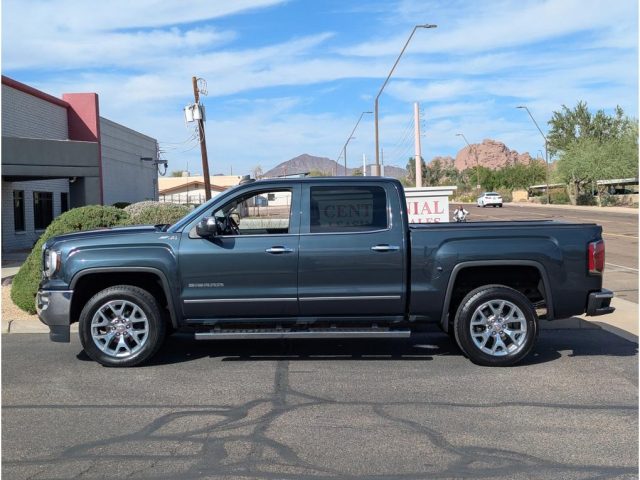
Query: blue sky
pixel 292 77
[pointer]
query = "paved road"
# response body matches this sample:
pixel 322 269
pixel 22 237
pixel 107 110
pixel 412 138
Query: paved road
pixel 620 231
pixel 400 409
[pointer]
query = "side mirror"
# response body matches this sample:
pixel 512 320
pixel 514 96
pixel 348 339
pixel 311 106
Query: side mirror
pixel 207 227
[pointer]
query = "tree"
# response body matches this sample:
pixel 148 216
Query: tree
pixel 411 171
pixel 317 173
pixel 176 173
pixel 588 160
pixel 257 172
pixel 356 172
pixel 570 125
pixel 593 147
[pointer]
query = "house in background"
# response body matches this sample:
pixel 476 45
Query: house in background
pixel 59 154
pixel 190 189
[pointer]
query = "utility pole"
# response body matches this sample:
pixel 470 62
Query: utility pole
pixel 364 165
pixel 546 148
pixel 418 151
pixel 382 162
pixel 203 143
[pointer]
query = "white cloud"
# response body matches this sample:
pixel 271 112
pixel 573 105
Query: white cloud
pixel 484 26
pixel 484 56
pixel 121 33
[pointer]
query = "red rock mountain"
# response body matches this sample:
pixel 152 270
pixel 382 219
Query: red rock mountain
pixel 491 154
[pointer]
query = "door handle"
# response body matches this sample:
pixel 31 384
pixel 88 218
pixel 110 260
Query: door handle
pixel 277 250
pixel 385 248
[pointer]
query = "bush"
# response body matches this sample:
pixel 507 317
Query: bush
pixel 154 213
pixel 506 195
pixel 25 283
pixel 465 198
pixel 559 197
pixel 586 199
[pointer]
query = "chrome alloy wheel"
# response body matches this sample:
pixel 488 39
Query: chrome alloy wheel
pixel 498 328
pixel 119 328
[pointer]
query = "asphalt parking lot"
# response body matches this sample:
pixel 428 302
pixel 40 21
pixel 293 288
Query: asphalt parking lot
pixel 620 232
pixel 398 409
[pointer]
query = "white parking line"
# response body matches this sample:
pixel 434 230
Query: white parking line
pixel 621 266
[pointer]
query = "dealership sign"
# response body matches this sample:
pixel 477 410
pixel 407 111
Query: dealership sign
pixel 428 204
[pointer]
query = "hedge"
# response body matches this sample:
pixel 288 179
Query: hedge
pixel 154 213
pixel 25 284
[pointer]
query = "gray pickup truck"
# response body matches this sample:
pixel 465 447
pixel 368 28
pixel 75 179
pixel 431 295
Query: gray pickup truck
pixel 318 258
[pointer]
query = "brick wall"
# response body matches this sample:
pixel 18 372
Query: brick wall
pixel 24 115
pixel 12 240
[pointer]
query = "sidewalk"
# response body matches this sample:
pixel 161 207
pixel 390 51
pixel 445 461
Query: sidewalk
pixel 12 261
pixel 627 210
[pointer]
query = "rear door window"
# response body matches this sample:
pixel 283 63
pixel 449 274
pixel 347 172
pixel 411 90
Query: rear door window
pixel 348 209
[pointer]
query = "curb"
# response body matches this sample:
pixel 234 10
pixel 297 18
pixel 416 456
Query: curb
pixel 579 208
pixel 623 322
pixel 29 326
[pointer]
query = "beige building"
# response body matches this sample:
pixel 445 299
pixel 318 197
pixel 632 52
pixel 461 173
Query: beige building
pixel 191 189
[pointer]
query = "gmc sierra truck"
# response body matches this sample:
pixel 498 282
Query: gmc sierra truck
pixel 318 258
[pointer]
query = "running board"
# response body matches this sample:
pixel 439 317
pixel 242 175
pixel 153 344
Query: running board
pixel 275 334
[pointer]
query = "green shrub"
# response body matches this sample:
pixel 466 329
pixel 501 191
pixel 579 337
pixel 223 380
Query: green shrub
pixel 586 199
pixel 25 283
pixel 464 198
pixel 121 204
pixel 506 195
pixel 559 197
pixel 154 213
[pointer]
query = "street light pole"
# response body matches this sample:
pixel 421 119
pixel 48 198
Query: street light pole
pixel 344 148
pixel 475 154
pixel 546 149
pixel 377 165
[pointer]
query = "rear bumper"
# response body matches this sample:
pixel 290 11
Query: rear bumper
pixel 53 307
pixel 599 303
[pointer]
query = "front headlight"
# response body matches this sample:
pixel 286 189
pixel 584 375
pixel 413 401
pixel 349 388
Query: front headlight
pixel 51 262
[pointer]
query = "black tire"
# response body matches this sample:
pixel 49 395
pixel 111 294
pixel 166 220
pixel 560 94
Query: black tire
pixel 463 330
pixel 500 205
pixel 146 303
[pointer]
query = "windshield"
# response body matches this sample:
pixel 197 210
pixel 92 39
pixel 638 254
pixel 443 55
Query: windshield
pixel 200 211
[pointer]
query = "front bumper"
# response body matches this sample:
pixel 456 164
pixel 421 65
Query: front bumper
pixel 54 307
pixel 599 303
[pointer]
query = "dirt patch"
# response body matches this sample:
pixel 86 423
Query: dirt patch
pixel 9 309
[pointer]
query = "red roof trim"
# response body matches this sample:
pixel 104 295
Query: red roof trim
pixel 10 82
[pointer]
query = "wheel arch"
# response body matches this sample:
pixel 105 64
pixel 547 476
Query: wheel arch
pixel 115 275
pixel 460 267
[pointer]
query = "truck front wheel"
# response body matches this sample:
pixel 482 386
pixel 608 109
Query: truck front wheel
pixel 496 326
pixel 121 326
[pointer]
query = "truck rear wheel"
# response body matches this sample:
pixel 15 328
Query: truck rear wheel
pixel 121 326
pixel 496 326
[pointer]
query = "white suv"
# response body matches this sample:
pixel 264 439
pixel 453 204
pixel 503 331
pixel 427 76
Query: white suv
pixel 492 199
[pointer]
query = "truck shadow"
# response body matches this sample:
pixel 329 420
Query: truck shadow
pixel 551 345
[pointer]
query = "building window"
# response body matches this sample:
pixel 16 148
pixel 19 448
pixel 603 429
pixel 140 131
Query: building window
pixel 18 210
pixel 42 209
pixel 64 202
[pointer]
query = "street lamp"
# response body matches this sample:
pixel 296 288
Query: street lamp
pixel 377 166
pixel 546 149
pixel 344 148
pixel 475 154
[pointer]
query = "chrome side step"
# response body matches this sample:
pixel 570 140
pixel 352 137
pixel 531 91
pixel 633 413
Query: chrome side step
pixel 275 334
